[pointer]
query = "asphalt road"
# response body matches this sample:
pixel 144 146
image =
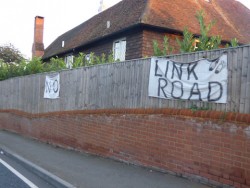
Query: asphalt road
pixel 8 179
pixel 13 175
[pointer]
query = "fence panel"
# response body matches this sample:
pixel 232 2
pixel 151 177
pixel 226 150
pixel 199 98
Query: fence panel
pixel 123 85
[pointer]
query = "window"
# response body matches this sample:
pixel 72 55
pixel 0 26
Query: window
pixel 69 61
pixel 87 57
pixel 119 49
pixel 196 41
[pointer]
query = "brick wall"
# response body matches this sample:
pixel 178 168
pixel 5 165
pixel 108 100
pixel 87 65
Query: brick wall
pixel 149 36
pixel 207 146
pixel 134 45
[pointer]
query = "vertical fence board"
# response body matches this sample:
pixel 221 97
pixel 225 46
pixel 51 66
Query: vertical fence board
pixel 243 80
pixel 247 101
pixel 238 77
pixel 234 81
pixel 229 80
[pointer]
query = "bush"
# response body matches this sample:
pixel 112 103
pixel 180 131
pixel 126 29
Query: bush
pixel 55 64
pixel 187 44
pixel 34 66
pixel 3 70
pixel 166 48
pixel 206 42
pixel 8 70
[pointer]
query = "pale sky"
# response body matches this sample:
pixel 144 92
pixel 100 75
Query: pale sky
pixel 17 19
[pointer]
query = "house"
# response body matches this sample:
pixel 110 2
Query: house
pixel 128 28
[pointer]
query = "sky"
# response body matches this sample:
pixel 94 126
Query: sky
pixel 17 19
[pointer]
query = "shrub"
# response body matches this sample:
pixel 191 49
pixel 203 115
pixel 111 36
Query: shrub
pixel 55 64
pixel 79 60
pixel 167 49
pixel 3 70
pixel 187 44
pixel 204 42
pixel 34 66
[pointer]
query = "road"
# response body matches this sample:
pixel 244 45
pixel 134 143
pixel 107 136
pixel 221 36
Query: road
pixel 13 175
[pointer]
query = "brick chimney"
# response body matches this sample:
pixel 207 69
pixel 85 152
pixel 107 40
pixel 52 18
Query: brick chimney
pixel 38 47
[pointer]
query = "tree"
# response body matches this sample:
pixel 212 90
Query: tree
pixel 206 42
pixel 167 49
pixel 10 54
pixel 187 44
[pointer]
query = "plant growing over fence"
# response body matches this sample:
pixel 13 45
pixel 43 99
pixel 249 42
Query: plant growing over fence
pixel 36 65
pixel 206 42
pixel 187 44
pixel 55 64
pixel 32 67
pixel 233 43
pixel 167 49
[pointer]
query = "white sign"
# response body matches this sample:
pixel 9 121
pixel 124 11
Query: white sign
pixel 52 86
pixel 202 80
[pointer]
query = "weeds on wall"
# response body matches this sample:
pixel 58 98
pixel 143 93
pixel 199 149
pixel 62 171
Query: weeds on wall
pixel 205 106
pixel 36 65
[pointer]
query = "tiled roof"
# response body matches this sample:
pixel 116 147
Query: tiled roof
pixel 232 20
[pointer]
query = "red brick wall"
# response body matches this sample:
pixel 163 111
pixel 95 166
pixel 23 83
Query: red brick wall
pixel 212 147
pixel 149 36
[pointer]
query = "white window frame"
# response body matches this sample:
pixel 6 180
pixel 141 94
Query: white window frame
pixel 87 57
pixel 119 50
pixel 69 59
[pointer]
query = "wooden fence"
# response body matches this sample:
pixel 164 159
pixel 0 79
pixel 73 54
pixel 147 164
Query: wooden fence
pixel 123 85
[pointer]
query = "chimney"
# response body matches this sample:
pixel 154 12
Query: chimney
pixel 38 47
